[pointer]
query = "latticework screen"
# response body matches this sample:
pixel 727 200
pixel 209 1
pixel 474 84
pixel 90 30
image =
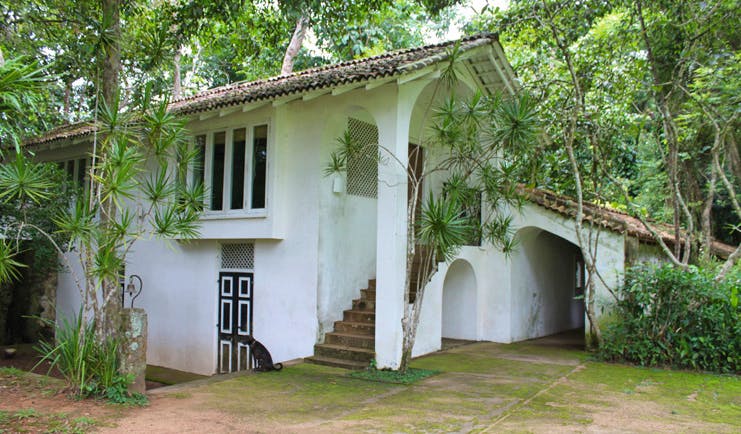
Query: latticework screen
pixel 238 256
pixel 362 169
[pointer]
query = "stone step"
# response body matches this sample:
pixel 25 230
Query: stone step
pixel 359 316
pixel 358 328
pixel 337 363
pixel 368 294
pixel 350 340
pixel 364 305
pixel 372 284
pixel 343 352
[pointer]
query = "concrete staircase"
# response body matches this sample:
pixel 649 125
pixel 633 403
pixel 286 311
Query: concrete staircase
pixel 352 343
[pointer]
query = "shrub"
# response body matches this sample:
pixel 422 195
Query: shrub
pixel 670 317
pixel 89 366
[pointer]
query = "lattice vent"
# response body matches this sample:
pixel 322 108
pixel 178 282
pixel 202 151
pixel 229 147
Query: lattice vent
pixel 362 169
pixel 238 256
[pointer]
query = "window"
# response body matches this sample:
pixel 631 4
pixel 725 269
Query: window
pixel 218 160
pixel 362 168
pixel 233 165
pixel 76 171
pixel 259 165
pixel 200 159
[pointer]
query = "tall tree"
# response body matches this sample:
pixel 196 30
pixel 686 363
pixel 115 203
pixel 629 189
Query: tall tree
pixel 618 83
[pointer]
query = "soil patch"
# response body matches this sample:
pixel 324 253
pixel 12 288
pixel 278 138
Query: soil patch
pixel 27 359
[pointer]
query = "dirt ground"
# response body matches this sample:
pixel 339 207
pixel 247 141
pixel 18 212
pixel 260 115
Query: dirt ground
pixel 26 358
pixel 535 386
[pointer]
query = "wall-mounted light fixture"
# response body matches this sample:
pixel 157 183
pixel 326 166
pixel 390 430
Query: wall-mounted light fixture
pixel 133 288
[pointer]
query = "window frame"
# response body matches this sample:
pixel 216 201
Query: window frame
pixel 79 175
pixel 208 167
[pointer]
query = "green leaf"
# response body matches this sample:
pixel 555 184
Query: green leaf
pixel 9 267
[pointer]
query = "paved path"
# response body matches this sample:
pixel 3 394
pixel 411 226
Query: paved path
pixel 536 386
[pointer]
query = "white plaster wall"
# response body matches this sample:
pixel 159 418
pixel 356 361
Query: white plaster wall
pixel 180 279
pixel 285 302
pixel 649 254
pixel 179 295
pixel 459 308
pixel 347 223
pixel 183 311
pixel 491 294
pixel 68 295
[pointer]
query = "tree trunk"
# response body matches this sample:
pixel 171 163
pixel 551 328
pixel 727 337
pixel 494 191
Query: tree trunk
pixel 176 84
pixel 577 113
pixel 302 24
pixel 2 59
pixel 734 160
pixel 66 110
pixel 112 49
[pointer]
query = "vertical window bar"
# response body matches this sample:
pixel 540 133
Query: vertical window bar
pixel 199 162
pixel 239 142
pixel 70 166
pixel 81 169
pixel 217 172
pixel 259 166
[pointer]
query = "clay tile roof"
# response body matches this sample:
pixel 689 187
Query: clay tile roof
pixel 616 221
pixel 388 64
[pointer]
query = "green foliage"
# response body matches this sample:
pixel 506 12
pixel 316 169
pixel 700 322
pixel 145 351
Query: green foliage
pixel 15 372
pixel 117 392
pixel 23 180
pixel 610 108
pixel 443 227
pixel 89 367
pixel 8 266
pixel 682 319
pixel 32 194
pixel 26 413
pixel 21 85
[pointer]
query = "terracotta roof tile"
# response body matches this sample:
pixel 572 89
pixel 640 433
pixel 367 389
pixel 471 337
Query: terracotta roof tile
pixel 616 221
pixel 384 65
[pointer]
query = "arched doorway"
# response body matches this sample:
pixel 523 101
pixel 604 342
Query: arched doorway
pixel 547 286
pixel 459 313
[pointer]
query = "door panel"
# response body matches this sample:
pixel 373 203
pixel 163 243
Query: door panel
pixel 235 321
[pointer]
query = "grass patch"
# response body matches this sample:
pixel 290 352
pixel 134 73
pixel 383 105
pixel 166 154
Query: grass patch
pixel 487 364
pixel 11 372
pixel 30 420
pixel 411 376
pixel 708 397
pixel 302 392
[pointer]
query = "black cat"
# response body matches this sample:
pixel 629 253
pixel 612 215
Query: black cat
pixel 261 357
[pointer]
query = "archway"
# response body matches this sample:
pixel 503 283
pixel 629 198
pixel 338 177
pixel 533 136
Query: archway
pixel 547 287
pixel 459 310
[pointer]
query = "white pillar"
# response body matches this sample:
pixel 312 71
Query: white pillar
pixel 393 137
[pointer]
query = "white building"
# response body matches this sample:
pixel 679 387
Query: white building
pixel 284 250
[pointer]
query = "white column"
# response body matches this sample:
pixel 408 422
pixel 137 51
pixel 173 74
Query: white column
pixel 393 137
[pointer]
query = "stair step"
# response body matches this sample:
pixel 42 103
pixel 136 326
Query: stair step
pixel 350 340
pixel 359 328
pixel 337 363
pixel 372 284
pixel 368 294
pixel 343 352
pixel 359 316
pixel 364 305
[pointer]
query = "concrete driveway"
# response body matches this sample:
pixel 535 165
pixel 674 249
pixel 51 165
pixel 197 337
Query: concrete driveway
pixel 535 386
